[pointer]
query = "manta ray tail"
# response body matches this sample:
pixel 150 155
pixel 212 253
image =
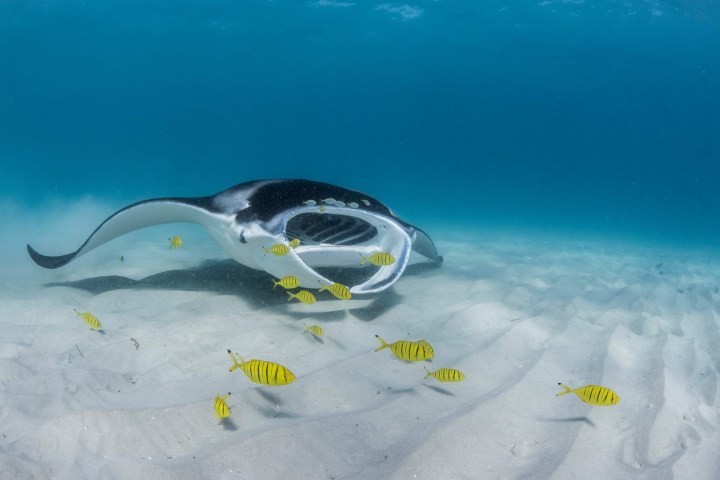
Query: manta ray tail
pixel 133 217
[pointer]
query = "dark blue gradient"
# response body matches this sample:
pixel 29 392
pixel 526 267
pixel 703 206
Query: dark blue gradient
pixel 597 117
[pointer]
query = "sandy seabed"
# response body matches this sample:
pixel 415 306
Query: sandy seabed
pixel 516 314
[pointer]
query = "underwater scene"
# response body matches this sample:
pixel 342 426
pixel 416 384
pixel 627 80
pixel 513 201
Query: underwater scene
pixel 323 239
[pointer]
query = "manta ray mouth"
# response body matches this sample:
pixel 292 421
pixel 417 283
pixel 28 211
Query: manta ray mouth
pixel 330 229
pixel 334 230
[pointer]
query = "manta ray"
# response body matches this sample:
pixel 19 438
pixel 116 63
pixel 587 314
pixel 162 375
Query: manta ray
pixel 336 227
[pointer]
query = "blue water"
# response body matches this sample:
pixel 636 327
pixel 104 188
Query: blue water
pixel 601 117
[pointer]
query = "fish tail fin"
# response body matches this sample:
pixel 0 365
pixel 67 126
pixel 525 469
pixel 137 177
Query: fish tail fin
pixel 383 343
pixel 276 284
pixel 565 391
pixel 235 364
pixel 364 259
pixel 291 295
pixel 428 372
pixel 321 287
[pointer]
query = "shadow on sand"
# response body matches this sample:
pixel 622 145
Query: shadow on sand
pixel 228 424
pixel 273 406
pixel 227 277
pixel 570 420
pixel 439 389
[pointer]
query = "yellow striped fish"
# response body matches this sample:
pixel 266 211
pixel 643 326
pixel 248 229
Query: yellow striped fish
pixel 175 242
pixel 428 347
pixel 287 282
pixel 294 243
pixel 446 375
pixel 592 394
pixel 338 289
pixel 262 371
pixel 406 350
pixel 221 408
pixel 378 259
pixel 278 249
pixel 303 295
pixel 90 319
pixel 315 330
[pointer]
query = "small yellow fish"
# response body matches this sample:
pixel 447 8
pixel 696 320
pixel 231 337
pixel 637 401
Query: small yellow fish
pixel 262 371
pixel 338 289
pixel 592 394
pixel 221 408
pixel 378 259
pixel 315 330
pixel 406 350
pixel 278 249
pixel 287 282
pixel 365 202
pixel 90 319
pixel 175 242
pixel 303 295
pixel 294 243
pixel 428 347
pixel 446 375
pixel 322 209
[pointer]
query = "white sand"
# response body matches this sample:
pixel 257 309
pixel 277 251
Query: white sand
pixel 515 314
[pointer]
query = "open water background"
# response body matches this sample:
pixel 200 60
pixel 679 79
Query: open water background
pixel 597 118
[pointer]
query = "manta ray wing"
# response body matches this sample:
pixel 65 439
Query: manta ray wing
pixel 133 217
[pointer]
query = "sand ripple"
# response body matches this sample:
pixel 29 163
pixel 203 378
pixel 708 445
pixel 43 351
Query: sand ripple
pixel 516 317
